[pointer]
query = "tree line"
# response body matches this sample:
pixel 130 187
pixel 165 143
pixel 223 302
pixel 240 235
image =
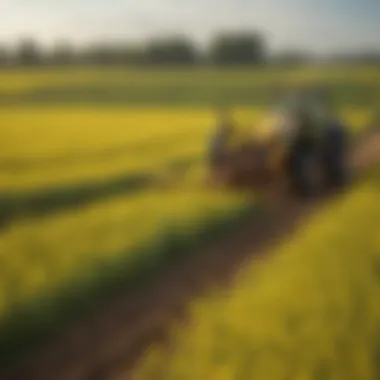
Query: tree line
pixel 224 49
pixel 240 48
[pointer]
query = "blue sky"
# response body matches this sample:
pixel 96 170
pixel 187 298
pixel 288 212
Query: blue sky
pixel 319 25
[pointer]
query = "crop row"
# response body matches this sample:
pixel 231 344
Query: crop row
pixel 83 169
pixel 53 269
pixel 350 85
pixel 310 312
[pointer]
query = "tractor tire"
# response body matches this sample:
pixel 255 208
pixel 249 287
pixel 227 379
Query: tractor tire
pixel 308 175
pixel 335 158
pixel 305 173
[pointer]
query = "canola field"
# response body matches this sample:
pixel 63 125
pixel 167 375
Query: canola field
pixel 54 269
pixel 81 153
pixel 50 147
pixel 310 312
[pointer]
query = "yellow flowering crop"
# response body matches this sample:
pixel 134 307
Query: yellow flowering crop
pixel 311 311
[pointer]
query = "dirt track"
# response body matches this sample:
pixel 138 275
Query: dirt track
pixel 108 345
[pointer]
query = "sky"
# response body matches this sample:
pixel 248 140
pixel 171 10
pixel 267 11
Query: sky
pixel 316 25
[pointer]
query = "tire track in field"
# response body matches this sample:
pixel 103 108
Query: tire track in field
pixel 108 345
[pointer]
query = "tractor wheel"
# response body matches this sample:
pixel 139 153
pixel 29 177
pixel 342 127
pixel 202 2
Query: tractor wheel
pixel 335 159
pixel 305 172
pixel 336 172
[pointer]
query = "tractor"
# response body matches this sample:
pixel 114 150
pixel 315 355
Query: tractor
pixel 295 159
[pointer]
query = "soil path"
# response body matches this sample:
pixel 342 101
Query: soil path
pixel 108 345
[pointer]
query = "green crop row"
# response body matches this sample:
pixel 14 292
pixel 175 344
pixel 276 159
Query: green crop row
pixel 65 264
pixel 349 85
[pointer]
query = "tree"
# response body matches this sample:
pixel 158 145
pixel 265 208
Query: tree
pixel 131 55
pixel 237 48
pixel 99 54
pixel 28 53
pixel 176 51
pixel 111 54
pixel 62 54
pixel 4 56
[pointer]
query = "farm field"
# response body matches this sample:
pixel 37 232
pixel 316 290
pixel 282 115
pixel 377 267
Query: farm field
pixel 176 87
pixel 48 146
pixel 68 261
pixel 73 141
pixel 51 147
pixel 85 155
pixel 311 311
